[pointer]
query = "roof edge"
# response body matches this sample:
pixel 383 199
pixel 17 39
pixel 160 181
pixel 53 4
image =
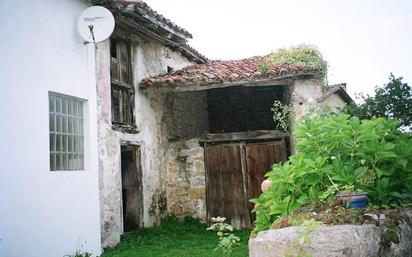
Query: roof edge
pixel 141 8
pixel 283 80
pixel 339 89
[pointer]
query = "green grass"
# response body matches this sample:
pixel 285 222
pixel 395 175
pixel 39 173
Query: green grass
pixel 176 239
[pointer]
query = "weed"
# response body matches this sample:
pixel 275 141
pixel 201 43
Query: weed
pixel 227 240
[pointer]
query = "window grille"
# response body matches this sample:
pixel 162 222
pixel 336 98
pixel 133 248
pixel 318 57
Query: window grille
pixel 66 130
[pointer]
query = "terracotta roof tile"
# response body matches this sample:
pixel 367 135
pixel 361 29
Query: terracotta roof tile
pixel 143 14
pixel 224 71
pixel 143 8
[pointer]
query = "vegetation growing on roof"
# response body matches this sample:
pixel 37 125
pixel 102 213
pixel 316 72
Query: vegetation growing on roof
pixel 305 56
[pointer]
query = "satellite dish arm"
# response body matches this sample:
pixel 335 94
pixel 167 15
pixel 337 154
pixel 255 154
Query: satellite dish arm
pixel 92 33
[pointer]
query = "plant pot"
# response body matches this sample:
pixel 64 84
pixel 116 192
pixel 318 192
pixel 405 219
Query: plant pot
pixel 359 200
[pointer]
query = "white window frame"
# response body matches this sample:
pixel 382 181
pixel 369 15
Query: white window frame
pixel 66 132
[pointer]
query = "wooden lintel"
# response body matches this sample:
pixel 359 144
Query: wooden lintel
pixel 244 136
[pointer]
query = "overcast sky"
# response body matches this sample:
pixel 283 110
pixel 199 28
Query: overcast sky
pixel 362 40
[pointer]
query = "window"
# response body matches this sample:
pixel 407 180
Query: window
pixel 122 88
pixel 66 131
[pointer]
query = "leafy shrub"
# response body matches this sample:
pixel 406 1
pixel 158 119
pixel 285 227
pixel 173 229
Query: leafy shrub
pixel 344 152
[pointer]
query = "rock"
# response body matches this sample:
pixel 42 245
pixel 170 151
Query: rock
pixel 330 241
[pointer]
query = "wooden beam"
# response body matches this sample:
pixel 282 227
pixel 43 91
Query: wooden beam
pixel 244 136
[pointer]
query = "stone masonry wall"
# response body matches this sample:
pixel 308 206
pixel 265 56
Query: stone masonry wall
pixel 148 59
pixel 186 115
pixel 186 185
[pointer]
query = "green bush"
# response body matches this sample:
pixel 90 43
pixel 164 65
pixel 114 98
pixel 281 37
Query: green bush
pixel 339 153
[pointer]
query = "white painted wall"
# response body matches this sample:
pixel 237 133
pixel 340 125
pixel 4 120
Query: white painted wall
pixel 43 213
pixel 334 102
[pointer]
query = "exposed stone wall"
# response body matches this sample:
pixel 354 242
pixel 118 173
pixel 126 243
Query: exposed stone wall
pixel 331 241
pixel 186 182
pixel 148 58
pixel 186 115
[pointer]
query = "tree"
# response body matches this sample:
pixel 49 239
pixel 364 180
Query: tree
pixel 392 100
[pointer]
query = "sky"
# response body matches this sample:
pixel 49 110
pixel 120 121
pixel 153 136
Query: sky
pixel 363 41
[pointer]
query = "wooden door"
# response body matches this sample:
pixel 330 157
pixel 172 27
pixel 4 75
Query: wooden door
pixel 259 160
pixel 132 196
pixel 234 174
pixel 226 195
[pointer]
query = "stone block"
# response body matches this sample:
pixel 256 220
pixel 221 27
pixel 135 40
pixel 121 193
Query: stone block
pixel 192 143
pixel 330 241
pixel 197 193
pixel 171 168
pixel 198 168
pixel 199 181
pixel 198 151
pixel 183 185
pixel 181 192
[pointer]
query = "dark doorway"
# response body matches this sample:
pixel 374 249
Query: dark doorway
pixel 132 196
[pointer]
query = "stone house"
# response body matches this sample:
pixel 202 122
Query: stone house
pixel 129 130
pixel 221 135
pixel 198 138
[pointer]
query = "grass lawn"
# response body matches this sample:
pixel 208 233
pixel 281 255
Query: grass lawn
pixel 175 239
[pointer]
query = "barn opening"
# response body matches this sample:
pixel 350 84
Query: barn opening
pixel 241 109
pixel 245 144
pixel 240 142
pixel 132 195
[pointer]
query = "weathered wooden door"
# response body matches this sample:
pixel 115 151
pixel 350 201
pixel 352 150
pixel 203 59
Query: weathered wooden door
pixel 259 160
pixel 226 192
pixel 132 196
pixel 234 174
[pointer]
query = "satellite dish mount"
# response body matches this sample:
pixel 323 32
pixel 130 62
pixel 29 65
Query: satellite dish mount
pixel 92 33
pixel 95 24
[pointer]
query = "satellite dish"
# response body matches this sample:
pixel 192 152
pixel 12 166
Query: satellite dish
pixel 96 24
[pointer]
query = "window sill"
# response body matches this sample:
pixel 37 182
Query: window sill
pixel 125 128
